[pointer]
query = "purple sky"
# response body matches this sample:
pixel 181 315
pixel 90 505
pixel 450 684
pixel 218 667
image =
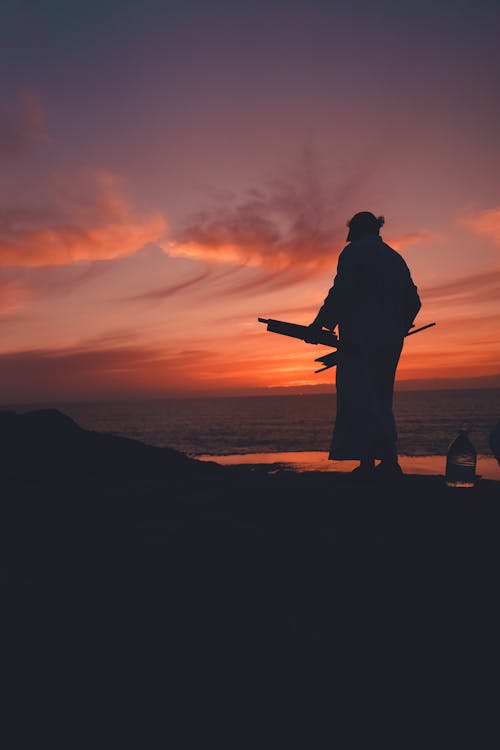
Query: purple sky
pixel 171 170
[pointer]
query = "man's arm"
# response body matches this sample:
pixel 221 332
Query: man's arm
pixel 331 309
pixel 412 303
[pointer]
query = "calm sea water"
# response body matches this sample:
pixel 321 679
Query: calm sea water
pixel 427 421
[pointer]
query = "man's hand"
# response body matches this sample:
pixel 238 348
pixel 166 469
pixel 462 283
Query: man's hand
pixel 315 328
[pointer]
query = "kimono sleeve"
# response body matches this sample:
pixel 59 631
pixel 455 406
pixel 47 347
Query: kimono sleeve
pixel 334 304
pixel 412 303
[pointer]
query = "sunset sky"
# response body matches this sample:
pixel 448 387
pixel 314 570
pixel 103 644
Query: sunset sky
pixel 170 171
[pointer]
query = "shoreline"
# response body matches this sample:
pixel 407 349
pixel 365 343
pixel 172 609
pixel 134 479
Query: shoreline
pixel 306 461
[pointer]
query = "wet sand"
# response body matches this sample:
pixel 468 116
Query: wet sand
pixel 487 466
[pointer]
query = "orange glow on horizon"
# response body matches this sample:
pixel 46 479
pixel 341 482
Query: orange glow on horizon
pixel 154 204
pixel 180 318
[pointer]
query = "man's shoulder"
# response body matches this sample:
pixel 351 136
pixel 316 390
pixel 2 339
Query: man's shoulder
pixel 389 249
pixel 345 255
pixel 396 257
pixel 373 248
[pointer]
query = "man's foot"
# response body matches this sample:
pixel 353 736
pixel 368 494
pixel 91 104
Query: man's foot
pixel 364 472
pixel 389 470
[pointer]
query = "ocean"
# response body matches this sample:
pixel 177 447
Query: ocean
pixel 427 421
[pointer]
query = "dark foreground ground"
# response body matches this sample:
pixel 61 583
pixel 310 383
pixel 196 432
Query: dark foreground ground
pixel 149 584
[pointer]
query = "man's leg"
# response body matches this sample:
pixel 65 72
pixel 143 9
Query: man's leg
pixel 365 469
pixel 367 464
pixel 389 459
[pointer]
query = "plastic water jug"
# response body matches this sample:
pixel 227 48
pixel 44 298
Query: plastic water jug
pixel 461 462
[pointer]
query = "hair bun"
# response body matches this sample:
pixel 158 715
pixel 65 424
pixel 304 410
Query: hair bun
pixel 380 221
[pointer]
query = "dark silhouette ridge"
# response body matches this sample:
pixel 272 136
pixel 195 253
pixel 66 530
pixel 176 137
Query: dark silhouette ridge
pixel 230 586
pixel 47 441
pixel 74 486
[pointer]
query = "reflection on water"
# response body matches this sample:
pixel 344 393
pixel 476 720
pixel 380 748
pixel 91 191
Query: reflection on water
pixel 487 467
pixel 427 421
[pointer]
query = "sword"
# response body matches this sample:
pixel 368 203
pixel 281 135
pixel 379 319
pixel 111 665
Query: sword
pixel 330 360
pixel 319 336
pixel 316 336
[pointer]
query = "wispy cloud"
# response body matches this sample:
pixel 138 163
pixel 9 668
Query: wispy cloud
pixel 207 283
pixel 485 223
pixel 88 218
pixel 407 239
pixel 13 296
pixel 22 286
pixel 286 312
pixel 284 233
pixel 108 365
pixel 292 222
pixel 480 287
pixel 169 290
pixel 116 365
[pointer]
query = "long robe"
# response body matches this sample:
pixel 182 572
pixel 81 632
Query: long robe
pixel 374 302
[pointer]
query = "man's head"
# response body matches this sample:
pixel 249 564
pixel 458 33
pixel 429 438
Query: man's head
pixel 364 224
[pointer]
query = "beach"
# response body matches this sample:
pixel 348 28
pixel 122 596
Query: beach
pixel 80 493
pixel 238 588
pixel 487 467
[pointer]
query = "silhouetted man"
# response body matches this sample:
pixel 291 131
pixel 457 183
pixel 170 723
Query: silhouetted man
pixel 373 301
